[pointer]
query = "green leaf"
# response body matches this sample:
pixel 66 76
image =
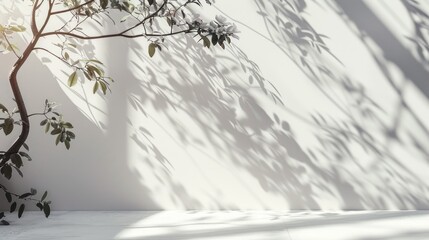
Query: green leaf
pixel 206 41
pixel 42 123
pixel 12 207
pixel 47 127
pixel 58 139
pixel 16 159
pixel 103 87
pixel 4 222
pixel 215 39
pixel 95 88
pixel 8 126
pixel 86 73
pixel 8 197
pixel 3 108
pixel 26 146
pixel 103 3
pixel 6 170
pixel 44 195
pixel 71 135
pixel 72 79
pixel 46 209
pixel 151 49
pixel 67 143
pixel 95 69
pixel 40 206
pixel 25 195
pixel 67 125
pixel 72 45
pixel 63 137
pixel 21 210
pixel 56 131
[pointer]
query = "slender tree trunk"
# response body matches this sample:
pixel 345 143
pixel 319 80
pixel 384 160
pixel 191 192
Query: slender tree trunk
pixel 13 80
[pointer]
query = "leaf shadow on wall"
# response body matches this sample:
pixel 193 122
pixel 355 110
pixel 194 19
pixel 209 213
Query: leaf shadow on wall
pixel 336 165
pixel 219 94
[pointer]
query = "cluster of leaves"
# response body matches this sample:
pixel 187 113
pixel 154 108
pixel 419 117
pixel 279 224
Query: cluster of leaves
pixel 8 162
pixel 12 161
pixel 89 9
pixel 144 5
pixel 16 200
pixel 220 31
pixel 15 161
pixel 60 128
pixel 91 69
pixel 53 120
pixel 178 18
pixel 8 121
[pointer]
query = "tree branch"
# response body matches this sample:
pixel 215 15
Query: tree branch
pixel 146 18
pixel 13 80
pixel 116 34
pixel 71 9
pixel 33 17
pixel 53 54
pixel 18 195
pixel 120 34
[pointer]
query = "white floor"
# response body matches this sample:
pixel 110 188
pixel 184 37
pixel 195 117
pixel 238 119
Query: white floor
pixel 225 225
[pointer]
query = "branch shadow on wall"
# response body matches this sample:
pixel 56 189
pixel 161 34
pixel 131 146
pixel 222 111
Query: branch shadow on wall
pixel 219 94
pixel 335 167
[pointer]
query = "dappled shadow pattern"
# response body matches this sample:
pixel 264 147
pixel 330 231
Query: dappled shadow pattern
pixel 212 102
pixel 210 109
pixel 349 147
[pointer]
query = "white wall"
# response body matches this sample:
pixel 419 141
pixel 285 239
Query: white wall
pixel 352 133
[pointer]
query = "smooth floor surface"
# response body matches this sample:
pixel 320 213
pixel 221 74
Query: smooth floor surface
pixel 225 225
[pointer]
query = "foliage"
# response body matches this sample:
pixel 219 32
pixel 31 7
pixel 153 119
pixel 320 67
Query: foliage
pixel 149 19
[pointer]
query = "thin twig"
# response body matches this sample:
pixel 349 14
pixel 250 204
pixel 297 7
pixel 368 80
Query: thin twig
pixel 53 54
pixel 10 45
